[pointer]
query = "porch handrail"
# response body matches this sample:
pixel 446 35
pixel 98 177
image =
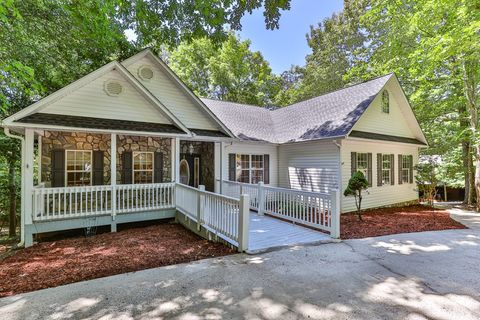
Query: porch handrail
pixel 225 216
pixel 314 209
pixel 55 203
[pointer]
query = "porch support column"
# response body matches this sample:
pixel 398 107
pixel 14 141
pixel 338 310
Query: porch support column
pixel 113 178
pixel 222 150
pixel 175 159
pixel 27 193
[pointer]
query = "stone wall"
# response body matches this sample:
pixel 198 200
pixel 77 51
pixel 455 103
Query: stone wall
pixel 145 144
pixel 73 141
pixel 206 150
pixel 91 141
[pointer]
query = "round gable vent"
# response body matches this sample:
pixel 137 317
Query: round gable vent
pixel 145 72
pixel 113 87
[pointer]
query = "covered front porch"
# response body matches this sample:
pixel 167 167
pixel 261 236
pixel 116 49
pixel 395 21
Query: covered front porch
pixel 88 179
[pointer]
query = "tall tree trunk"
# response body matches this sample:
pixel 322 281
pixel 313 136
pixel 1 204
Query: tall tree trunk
pixel 470 87
pixel 471 172
pixel 12 188
pixel 466 170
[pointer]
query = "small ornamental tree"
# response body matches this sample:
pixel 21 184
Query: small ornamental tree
pixel 356 184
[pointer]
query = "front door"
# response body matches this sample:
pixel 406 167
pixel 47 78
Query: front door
pixel 190 166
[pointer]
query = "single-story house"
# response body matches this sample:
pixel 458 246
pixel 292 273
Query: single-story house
pixel 134 124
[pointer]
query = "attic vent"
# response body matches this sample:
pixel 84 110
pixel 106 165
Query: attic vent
pixel 113 88
pixel 145 72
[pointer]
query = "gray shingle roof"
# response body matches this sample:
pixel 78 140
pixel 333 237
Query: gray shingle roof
pixel 329 115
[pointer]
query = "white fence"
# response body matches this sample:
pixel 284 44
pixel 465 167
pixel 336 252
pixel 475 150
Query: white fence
pixel 144 197
pixel 313 209
pixel 71 202
pixel 224 216
pixel 74 202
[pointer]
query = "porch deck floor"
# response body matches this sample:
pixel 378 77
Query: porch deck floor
pixel 268 233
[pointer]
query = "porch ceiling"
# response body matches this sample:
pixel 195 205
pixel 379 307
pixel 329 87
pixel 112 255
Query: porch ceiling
pixel 98 123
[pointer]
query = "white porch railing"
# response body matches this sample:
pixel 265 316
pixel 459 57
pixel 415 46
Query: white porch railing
pixel 316 210
pixel 74 202
pixel 144 197
pixel 224 216
pixel 71 202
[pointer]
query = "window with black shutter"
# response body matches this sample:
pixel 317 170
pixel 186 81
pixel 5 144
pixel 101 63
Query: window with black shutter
pixel 58 168
pixel 127 167
pixel 232 166
pixel 266 168
pixel 97 170
pixel 158 167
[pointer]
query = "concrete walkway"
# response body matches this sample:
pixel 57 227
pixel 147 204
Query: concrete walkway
pixel 428 275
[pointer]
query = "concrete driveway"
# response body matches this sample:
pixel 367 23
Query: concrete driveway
pixel 429 275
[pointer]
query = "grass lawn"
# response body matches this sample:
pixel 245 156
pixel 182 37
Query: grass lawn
pixel 379 222
pixel 54 263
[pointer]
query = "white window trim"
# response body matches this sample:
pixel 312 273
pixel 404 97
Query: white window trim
pixel 133 165
pixel 407 169
pixel 389 160
pixel 382 103
pixel 250 169
pixel 66 165
pixel 364 171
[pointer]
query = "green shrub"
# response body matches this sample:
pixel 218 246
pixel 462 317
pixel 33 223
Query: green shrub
pixel 356 184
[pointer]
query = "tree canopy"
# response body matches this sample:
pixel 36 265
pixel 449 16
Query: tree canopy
pixel 229 72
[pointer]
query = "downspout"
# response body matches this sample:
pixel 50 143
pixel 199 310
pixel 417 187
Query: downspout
pixel 339 178
pixel 22 185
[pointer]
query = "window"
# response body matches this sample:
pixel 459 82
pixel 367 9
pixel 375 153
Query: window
pixel 406 168
pixel 142 167
pixel 78 168
pixel 385 102
pixel 362 164
pixel 386 168
pixel 249 168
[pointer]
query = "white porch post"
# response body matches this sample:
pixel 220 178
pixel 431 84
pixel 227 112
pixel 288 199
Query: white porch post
pixel 175 159
pixel 113 178
pixel 222 150
pixel 243 222
pixel 335 214
pixel 27 193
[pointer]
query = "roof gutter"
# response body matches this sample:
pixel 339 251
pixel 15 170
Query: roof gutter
pixel 22 185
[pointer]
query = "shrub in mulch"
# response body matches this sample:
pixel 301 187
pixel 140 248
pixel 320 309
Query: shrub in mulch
pixel 385 221
pixel 50 264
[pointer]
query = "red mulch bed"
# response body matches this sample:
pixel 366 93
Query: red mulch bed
pixel 51 264
pixel 380 222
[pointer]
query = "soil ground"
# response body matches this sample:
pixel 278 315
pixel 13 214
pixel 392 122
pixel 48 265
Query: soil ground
pixel 53 263
pixel 385 221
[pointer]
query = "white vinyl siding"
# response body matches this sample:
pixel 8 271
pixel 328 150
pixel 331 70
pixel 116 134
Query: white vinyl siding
pixel 253 149
pixel 309 166
pixel 164 88
pixel 92 101
pixel 377 196
pixel 392 123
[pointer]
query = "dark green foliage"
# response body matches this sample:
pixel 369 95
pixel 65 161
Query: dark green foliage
pixel 356 185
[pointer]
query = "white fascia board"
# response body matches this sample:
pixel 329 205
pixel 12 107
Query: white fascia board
pixel 150 97
pixel 55 96
pixel 165 67
pixel 19 125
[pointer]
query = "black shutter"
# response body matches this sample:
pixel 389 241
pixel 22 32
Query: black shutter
pixel 158 167
pixel 369 171
pixel 97 168
pixel 232 164
pixel 353 162
pixel 410 163
pixel 392 169
pixel 266 168
pixel 400 169
pixel 379 170
pixel 127 165
pixel 58 168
